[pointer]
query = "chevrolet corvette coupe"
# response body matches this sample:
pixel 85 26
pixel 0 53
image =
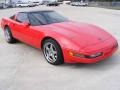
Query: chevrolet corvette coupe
pixel 60 39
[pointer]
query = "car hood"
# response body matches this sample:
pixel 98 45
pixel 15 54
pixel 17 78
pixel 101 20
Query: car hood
pixel 81 34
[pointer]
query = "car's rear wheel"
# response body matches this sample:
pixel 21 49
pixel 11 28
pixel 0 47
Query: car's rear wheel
pixel 52 52
pixel 8 35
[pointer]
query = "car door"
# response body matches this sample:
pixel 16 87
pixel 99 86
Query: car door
pixel 26 31
pixel 36 29
pixel 22 30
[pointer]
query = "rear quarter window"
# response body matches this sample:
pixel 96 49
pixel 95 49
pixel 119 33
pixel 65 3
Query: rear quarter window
pixel 12 17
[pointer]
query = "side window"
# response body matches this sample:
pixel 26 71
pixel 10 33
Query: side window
pixel 22 17
pixel 33 20
pixel 40 17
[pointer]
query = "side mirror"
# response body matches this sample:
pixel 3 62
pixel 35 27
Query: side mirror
pixel 26 24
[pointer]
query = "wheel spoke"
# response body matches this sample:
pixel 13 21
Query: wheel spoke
pixel 54 52
pixel 47 48
pixel 53 57
pixel 56 56
pixel 51 47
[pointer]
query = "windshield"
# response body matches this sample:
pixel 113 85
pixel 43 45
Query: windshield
pixel 46 17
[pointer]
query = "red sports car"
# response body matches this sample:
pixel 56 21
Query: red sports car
pixel 60 39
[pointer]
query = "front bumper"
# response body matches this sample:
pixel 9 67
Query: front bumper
pixel 107 48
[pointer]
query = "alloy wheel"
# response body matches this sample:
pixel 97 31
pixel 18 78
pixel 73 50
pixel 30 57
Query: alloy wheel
pixel 50 52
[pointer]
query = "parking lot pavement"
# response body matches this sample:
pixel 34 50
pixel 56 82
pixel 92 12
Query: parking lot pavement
pixel 24 68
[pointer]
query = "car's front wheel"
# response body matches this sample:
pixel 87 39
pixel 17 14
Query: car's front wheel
pixel 8 35
pixel 52 52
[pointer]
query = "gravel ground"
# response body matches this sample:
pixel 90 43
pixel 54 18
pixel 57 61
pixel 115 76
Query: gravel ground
pixel 24 68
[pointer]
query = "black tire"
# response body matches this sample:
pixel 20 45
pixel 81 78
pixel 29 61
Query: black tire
pixel 59 55
pixel 8 35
